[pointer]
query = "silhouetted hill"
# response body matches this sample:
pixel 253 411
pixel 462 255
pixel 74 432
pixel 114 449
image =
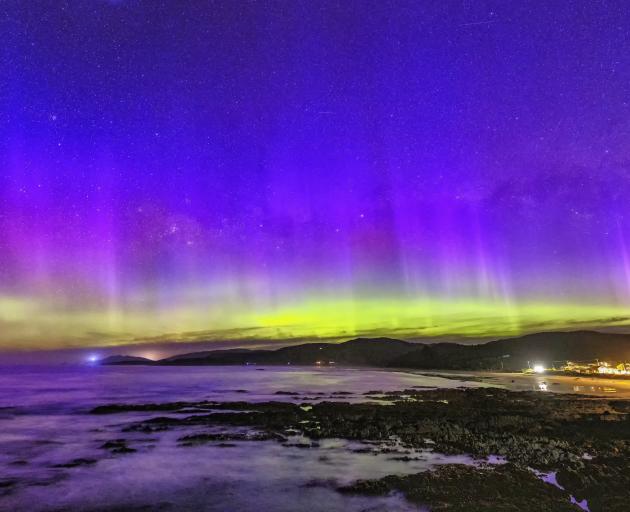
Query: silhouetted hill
pixel 121 359
pixel 559 347
pixel 358 352
pixel 515 353
pixel 216 357
pixel 206 353
pixel 511 354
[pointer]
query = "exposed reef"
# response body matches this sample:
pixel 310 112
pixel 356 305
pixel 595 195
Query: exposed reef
pixel 586 441
pixel 459 488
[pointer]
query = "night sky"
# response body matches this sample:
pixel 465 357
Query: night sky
pixel 237 170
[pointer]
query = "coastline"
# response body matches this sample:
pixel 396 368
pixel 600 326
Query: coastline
pixel 549 451
pixel 603 387
pixel 343 438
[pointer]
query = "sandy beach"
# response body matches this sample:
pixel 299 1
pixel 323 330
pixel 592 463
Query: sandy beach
pixel 592 386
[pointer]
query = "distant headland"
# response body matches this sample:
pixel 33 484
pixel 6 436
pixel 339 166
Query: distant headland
pixel 584 349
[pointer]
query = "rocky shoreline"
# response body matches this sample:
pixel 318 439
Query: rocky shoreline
pixel 583 442
pixel 460 488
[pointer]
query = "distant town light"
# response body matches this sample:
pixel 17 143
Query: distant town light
pixel 591 367
pixel 608 369
pixel 539 368
pixel 92 358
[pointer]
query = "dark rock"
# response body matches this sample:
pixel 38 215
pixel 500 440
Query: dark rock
pixel 604 483
pixel 301 445
pixel 75 463
pixel 459 488
pixel 545 431
pixel 7 486
pixel 171 406
pixel 203 438
pixel 117 446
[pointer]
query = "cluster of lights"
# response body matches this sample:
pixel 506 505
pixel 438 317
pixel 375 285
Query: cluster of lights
pixel 601 367
pixel 608 369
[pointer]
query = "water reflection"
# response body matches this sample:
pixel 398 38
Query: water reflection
pixel 551 478
pixel 594 389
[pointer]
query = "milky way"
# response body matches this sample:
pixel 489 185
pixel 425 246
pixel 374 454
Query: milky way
pixel 283 170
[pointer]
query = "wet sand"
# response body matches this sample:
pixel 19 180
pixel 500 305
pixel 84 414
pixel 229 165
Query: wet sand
pixel 592 386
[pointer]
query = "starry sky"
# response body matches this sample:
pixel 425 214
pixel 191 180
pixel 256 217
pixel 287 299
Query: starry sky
pixel 175 171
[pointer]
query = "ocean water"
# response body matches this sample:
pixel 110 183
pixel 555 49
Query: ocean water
pixel 44 423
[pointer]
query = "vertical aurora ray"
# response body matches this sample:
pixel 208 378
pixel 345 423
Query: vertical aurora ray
pixel 278 171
